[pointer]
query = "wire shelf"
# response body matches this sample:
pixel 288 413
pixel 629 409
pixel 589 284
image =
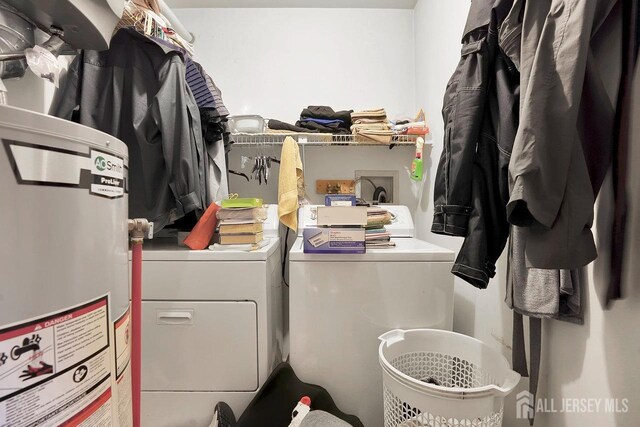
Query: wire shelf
pixel 319 139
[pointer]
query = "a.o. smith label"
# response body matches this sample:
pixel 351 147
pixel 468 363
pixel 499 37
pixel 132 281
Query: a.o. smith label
pixel 107 174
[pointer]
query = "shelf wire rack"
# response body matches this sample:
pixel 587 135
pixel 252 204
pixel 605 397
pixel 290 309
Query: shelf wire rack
pixel 319 139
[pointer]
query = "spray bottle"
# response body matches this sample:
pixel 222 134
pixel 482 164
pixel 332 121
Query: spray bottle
pixel 300 411
pixel 416 165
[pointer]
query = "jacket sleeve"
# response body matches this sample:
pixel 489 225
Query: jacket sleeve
pixel 463 109
pixel 541 157
pixel 170 112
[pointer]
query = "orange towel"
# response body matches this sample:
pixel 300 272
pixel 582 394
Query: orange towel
pixel 202 233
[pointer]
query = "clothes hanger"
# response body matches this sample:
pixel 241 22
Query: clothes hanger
pixel 244 175
pixel 147 4
pixel 145 17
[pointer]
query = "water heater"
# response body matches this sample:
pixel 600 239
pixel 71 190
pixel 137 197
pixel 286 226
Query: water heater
pixel 64 294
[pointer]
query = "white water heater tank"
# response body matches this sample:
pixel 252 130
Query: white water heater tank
pixel 64 294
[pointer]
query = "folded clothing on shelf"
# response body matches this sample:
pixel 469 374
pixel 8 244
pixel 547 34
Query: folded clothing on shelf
pixel 369 126
pixel 326 113
pixel 411 126
pixel 378 113
pixel 372 125
pixel 333 128
pixel 277 125
pixel 323 119
pixel 325 122
pixel 399 127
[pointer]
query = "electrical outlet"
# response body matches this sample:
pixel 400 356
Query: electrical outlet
pixel 335 186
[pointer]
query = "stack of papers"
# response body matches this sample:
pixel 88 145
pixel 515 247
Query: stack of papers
pixel 376 235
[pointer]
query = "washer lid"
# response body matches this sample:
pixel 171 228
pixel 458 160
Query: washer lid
pixel 168 250
pixel 408 249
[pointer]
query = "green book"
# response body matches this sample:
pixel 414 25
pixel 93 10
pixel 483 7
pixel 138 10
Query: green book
pixel 245 202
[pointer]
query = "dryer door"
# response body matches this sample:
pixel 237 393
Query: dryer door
pixel 199 346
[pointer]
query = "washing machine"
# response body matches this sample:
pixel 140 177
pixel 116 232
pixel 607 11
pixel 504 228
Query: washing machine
pixel 212 328
pixel 339 304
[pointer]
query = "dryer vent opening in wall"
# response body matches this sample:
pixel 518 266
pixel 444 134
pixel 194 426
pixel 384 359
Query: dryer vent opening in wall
pixel 377 185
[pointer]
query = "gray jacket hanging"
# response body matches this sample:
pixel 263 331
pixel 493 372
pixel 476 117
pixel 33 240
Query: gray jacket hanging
pixel 136 91
pixel 563 145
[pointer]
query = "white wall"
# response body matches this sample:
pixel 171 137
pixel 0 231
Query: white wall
pixel 275 62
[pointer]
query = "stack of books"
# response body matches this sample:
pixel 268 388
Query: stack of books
pixel 376 235
pixel 240 222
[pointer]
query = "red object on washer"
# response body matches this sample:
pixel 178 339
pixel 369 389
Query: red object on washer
pixel 201 235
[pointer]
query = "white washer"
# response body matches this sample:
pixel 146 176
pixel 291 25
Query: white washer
pixel 212 328
pixel 340 304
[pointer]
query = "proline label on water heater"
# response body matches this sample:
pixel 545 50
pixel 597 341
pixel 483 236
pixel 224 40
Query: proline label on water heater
pixel 56 369
pixel 107 173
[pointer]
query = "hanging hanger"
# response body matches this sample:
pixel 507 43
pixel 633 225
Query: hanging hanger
pixel 147 4
pixel 145 17
pixel 243 175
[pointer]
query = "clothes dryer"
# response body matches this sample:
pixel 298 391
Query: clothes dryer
pixel 212 328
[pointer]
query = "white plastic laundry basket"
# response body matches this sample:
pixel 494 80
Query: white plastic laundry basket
pixel 435 378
